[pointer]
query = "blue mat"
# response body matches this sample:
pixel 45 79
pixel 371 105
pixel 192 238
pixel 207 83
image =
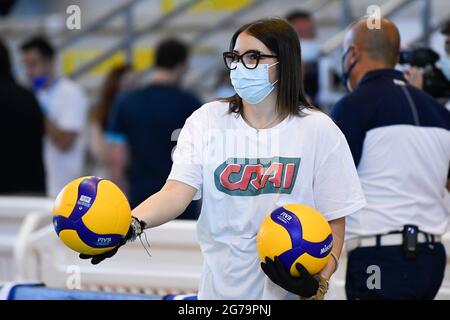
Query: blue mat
pixel 40 292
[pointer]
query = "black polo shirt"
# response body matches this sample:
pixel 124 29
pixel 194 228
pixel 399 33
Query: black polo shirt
pixel 400 140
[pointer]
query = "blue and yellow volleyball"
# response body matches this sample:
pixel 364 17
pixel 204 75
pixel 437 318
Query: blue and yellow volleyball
pixel 296 233
pixel 91 215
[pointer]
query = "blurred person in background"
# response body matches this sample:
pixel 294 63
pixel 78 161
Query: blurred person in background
pixel 6 7
pixel 144 127
pixel 433 79
pixel 400 141
pixel 305 26
pixel 64 105
pixel 119 80
pixel 21 163
pixel 445 63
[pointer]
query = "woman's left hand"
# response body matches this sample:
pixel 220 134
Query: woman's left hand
pixel 306 286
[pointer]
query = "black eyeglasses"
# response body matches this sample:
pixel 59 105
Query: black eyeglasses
pixel 250 59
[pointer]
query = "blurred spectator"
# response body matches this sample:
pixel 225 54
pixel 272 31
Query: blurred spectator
pixel 21 164
pixel 65 107
pixel 120 80
pixel 445 60
pixel 6 6
pixel 145 124
pixel 433 79
pixel 303 23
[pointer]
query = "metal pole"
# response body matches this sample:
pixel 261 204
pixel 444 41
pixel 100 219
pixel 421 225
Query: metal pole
pixel 129 35
pixel 135 35
pixel 426 20
pixel 98 24
pixel 346 13
pixel 388 9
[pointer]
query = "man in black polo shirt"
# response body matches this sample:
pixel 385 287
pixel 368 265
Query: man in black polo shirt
pixel 400 140
pixel 22 130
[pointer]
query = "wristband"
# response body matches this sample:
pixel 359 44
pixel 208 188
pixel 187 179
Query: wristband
pixel 137 228
pixel 336 261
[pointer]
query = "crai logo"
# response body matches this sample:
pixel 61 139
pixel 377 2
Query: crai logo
pixel 252 177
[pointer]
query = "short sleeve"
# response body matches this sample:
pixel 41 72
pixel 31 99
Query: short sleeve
pixel 188 155
pixel 72 108
pixel 336 185
pixel 116 129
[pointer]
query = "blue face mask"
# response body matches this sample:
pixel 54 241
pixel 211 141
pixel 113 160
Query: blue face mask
pixel 252 85
pixel 225 91
pixel 346 74
pixel 39 82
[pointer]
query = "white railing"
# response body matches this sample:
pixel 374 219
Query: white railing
pixel 174 266
pixel 32 251
pixel 13 210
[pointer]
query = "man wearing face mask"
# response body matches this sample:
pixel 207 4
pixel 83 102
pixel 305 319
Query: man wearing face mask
pixel 304 25
pixel 400 141
pixel 65 107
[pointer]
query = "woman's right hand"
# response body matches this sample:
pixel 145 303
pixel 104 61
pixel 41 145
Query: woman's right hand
pixel 96 259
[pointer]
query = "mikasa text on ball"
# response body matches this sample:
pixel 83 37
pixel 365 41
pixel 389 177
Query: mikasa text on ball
pixel 91 215
pixel 296 233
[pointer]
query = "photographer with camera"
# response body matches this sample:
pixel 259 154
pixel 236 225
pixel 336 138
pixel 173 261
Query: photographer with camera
pixel 423 72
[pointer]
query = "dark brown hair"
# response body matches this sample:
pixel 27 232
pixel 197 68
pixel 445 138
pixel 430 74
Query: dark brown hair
pixel 41 45
pixel 108 93
pixel 298 14
pixel 278 35
pixel 170 53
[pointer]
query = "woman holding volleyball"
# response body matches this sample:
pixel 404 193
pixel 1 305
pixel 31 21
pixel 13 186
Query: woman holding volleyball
pixel 249 154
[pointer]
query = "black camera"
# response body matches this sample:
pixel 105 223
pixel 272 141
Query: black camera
pixel 420 57
pixel 434 81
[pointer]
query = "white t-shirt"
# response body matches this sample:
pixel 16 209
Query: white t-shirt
pixel 301 160
pixel 66 105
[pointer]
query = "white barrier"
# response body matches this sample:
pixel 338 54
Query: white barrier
pixel 174 266
pixel 36 253
pixel 13 211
